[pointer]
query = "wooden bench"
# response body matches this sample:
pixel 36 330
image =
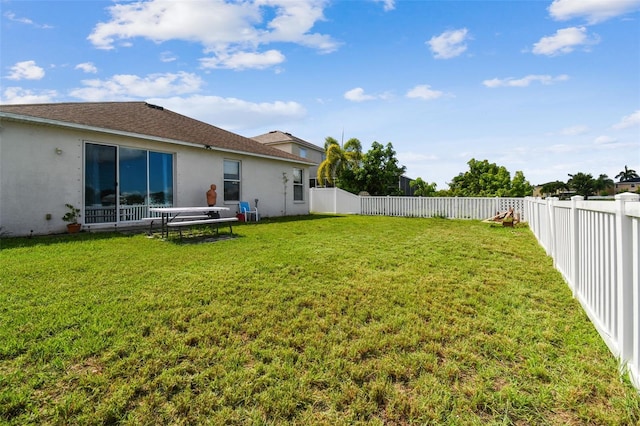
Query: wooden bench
pixel 216 222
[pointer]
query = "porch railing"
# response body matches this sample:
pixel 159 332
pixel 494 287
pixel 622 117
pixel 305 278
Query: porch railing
pixel 125 213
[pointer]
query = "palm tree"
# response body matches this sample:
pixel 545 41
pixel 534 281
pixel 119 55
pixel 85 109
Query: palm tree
pixel 338 159
pixel 626 174
pixel 582 183
pixel 603 184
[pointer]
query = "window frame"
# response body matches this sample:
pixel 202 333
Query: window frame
pixel 299 185
pixel 238 181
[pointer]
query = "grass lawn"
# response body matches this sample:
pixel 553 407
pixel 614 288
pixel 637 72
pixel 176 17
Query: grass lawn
pixel 318 320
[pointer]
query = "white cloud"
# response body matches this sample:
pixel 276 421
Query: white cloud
pixel 232 113
pixel 358 95
pixel 425 92
pixel 244 60
pixel 564 41
pixel 126 86
pixel 416 157
pixel 13 17
pixel 87 67
pixel 563 149
pixel 388 4
pixel 604 140
pixel 167 56
pixel 449 44
pixel 226 30
pixel 26 70
pixel 18 95
pixel 574 130
pixel 593 11
pixel 525 81
pixel 630 120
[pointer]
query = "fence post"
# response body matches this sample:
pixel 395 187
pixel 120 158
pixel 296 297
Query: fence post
pixel 573 232
pixel 624 260
pixel 551 230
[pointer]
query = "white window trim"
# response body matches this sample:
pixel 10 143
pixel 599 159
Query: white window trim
pixel 239 180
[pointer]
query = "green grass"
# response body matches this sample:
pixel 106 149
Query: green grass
pixel 320 320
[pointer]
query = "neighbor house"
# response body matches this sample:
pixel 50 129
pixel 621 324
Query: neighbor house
pixel 114 160
pixel 630 185
pixel 294 145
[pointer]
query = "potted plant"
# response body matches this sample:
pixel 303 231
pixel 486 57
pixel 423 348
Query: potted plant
pixel 72 216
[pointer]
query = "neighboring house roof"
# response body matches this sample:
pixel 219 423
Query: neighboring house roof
pixel 276 137
pixel 632 180
pixel 142 119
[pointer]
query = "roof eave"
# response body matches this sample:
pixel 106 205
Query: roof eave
pixel 75 126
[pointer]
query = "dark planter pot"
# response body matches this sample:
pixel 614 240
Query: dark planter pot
pixel 74 228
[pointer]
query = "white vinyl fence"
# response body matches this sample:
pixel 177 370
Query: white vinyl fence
pixel 595 246
pixel 334 200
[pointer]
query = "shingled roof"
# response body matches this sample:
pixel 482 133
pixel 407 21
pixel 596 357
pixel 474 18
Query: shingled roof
pixel 277 137
pixel 141 118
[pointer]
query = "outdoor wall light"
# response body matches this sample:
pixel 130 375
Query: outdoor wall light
pixel 58 151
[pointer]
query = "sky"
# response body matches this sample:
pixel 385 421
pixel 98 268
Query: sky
pixel 546 87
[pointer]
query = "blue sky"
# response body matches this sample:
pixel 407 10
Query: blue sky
pixel 547 87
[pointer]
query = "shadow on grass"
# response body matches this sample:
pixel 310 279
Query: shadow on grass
pixel 282 219
pixel 46 240
pixel 202 238
pixel 15 242
pixel 203 233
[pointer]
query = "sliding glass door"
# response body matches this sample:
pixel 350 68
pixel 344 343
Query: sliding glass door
pixel 122 183
pixel 100 183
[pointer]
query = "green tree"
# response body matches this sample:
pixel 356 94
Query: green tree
pixel 603 185
pixel 380 172
pixel 552 188
pixel 338 160
pixel 520 187
pixel 582 184
pixel 626 174
pixel 483 179
pixel 423 188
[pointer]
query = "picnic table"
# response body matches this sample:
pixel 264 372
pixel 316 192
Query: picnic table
pixel 188 216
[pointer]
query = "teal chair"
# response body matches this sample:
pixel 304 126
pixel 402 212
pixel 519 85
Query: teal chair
pixel 245 209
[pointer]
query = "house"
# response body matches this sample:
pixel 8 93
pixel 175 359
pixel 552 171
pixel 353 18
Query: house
pixel 294 145
pixel 630 185
pixel 114 160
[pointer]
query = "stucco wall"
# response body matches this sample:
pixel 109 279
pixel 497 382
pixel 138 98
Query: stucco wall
pixel 36 180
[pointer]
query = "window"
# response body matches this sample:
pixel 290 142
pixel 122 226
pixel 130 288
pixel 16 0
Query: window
pixel 231 180
pixel 303 153
pixel 298 185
